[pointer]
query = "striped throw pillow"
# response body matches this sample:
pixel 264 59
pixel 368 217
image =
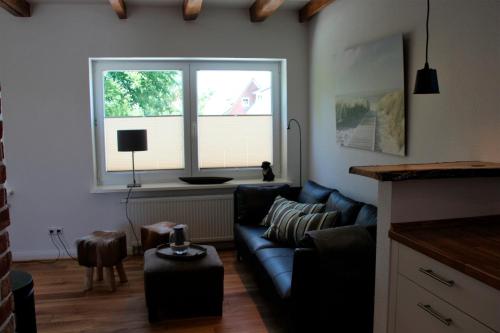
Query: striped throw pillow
pixel 292 226
pixel 281 205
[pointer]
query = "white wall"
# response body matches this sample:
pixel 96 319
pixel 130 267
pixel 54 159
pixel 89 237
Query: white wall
pixel 44 78
pixel 461 123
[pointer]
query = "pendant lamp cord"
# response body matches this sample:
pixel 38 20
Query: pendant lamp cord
pixel 427 34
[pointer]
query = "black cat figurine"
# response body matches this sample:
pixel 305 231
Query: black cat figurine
pixel 267 171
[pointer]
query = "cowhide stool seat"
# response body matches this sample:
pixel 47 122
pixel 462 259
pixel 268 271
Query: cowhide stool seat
pixel 103 249
pixel 156 234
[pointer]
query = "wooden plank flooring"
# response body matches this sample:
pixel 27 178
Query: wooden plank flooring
pixel 63 307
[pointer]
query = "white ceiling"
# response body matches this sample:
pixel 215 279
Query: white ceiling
pixel 288 4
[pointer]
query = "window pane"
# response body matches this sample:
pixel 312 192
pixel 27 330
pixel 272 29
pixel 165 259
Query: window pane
pixel 234 118
pixel 150 100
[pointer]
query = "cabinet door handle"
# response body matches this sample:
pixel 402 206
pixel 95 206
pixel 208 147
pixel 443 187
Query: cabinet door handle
pixel 427 308
pixel 430 272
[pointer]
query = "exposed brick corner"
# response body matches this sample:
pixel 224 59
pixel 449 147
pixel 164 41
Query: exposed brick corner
pixel 7 320
pixel 5 286
pixel 6 308
pixel 4 241
pixel 5 262
pixel 4 218
pixel 9 326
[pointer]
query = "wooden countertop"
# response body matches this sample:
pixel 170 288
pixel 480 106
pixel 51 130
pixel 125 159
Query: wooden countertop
pixel 469 245
pixel 428 171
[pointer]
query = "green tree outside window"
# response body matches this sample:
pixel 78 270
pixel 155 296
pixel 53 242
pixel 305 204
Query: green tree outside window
pixel 142 93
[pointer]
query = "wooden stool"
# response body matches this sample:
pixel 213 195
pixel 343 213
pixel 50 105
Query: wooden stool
pixel 156 234
pixel 103 249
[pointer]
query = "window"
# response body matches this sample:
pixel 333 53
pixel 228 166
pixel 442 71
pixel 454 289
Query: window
pixel 203 118
pixel 144 99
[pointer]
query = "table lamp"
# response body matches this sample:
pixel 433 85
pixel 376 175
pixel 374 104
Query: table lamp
pixel 132 140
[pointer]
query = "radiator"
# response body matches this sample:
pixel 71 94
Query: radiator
pixel 209 218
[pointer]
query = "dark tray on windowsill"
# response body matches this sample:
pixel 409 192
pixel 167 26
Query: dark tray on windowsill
pixel 205 180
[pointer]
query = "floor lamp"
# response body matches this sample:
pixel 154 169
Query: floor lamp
pixel 132 140
pixel 300 145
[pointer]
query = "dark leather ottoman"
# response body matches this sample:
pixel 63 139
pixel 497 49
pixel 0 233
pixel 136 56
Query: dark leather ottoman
pixel 183 288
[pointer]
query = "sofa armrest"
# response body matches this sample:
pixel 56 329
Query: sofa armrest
pixel 335 282
pixel 252 202
pixel 305 271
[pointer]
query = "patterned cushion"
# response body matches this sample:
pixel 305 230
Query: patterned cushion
pixel 293 225
pixel 281 205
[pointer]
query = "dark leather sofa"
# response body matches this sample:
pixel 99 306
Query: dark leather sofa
pixel 328 290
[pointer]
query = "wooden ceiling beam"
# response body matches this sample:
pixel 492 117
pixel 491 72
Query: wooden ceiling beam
pixel 191 9
pixel 120 8
pixel 20 8
pixel 262 9
pixel 312 8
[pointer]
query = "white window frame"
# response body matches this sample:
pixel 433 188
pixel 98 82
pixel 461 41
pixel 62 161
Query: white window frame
pixel 189 67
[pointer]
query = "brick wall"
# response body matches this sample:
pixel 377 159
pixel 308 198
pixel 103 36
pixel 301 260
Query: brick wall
pixel 6 299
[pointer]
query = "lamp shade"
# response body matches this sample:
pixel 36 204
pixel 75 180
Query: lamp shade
pixel 427 81
pixel 132 140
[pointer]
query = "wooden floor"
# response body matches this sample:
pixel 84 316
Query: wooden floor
pixel 62 306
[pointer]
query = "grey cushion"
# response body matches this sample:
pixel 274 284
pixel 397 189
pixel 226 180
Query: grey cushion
pixel 314 193
pixel 347 208
pixel 292 227
pixel 278 263
pixel 282 205
pixel 252 236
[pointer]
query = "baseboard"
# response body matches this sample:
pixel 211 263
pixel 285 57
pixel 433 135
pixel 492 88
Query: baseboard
pixel 46 254
pixel 53 254
pixel 40 255
pixel 222 245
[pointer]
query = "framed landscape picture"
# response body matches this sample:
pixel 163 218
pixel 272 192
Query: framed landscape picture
pixel 370 98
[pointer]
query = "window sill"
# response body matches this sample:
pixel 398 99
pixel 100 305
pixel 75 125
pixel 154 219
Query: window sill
pixel 180 186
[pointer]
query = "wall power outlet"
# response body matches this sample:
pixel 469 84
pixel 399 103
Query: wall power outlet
pixel 55 230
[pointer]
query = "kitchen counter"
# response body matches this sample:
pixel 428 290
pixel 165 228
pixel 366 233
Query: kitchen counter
pixel 470 248
pixel 428 171
pixel 469 245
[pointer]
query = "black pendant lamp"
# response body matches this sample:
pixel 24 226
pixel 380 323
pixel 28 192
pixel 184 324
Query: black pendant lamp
pixel 427 80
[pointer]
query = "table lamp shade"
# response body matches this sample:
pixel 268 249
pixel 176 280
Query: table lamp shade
pixel 132 140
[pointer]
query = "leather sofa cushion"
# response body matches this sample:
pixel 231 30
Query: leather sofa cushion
pixel 253 201
pixel 314 193
pixel 367 217
pixel 252 236
pixel 347 208
pixel 278 263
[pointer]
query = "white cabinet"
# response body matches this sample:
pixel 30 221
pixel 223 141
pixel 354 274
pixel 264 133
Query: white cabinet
pixel 419 311
pixel 431 297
